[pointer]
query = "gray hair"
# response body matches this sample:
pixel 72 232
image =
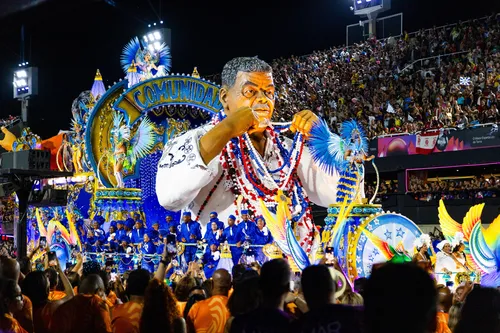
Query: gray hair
pixel 242 64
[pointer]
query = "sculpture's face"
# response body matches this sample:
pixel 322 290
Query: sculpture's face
pixel 255 90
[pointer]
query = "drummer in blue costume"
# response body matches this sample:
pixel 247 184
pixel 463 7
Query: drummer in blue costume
pixel 231 234
pixel 138 232
pixel 247 228
pixel 190 232
pixel 214 217
pixel 129 226
pixel 170 221
pixel 148 247
pixel 213 233
pixel 211 259
pixel 262 237
pixel 126 263
pixel 120 231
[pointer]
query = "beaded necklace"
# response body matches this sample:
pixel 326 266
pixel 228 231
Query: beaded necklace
pixel 246 171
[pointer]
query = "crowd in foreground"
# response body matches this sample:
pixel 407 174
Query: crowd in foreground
pixel 88 298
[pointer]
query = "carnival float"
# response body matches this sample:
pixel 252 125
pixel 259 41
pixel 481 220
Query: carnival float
pixel 116 140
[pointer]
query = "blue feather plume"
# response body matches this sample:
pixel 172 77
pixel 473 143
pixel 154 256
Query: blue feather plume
pixel 298 254
pixel 327 148
pixel 129 54
pixel 354 135
pixel 164 57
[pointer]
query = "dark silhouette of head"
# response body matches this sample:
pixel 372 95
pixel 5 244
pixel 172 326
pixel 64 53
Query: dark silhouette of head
pixel 137 282
pixel 274 282
pixel 318 286
pixel 400 297
pixel 53 277
pixel 221 282
pixel 246 295
pixel 480 312
pixel 36 286
pixel 10 268
pixel 92 285
pixel 183 287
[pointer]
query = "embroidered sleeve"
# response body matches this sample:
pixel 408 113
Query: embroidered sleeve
pixel 182 172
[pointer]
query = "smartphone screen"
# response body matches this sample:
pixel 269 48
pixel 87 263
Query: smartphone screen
pixel 43 241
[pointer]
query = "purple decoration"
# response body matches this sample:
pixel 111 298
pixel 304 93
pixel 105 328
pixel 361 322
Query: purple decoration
pixel 98 89
pixel 133 78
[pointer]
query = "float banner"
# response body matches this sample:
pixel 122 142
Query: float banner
pixel 446 141
pixel 174 90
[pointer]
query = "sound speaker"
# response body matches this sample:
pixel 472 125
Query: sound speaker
pixel 7 189
pixel 49 197
pixel 35 160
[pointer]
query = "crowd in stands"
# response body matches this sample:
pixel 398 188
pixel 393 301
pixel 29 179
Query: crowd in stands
pixel 383 84
pixel 447 189
pixel 475 188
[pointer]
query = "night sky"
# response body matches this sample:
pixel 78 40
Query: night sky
pixel 69 39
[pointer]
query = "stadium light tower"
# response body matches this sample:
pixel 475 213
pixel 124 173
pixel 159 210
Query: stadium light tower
pixel 157 35
pixel 25 86
pixel 370 8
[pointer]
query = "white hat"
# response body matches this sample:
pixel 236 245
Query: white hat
pixel 423 239
pixel 459 238
pixel 442 244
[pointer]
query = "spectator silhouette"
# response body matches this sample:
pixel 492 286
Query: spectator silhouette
pixel 324 315
pixel 481 312
pixel 160 310
pixel 210 315
pixel 86 312
pixel 400 298
pixel 126 316
pixel 270 316
pixel 246 296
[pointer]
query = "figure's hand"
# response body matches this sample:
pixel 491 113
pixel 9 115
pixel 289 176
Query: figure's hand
pixel 303 122
pixel 241 121
pixel 8 139
pixel 183 239
pixel 238 244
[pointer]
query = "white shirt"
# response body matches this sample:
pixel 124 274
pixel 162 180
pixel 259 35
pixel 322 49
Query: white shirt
pixel 183 180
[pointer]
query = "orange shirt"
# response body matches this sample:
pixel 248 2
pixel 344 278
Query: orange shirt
pixel 25 315
pixel 126 317
pixel 209 315
pixel 111 299
pixel 181 306
pixel 82 314
pixel 41 318
pixel 442 323
pixel 56 295
pixel 10 324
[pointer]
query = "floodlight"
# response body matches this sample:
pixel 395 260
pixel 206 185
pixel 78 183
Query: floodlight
pixel 161 22
pixel 21 74
pixel 154 23
pixel 157 46
pixel 25 82
pixel 21 83
pixel 359 2
pixel 151 47
pixel 145 38
pixel 157 35
pixel 151 38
